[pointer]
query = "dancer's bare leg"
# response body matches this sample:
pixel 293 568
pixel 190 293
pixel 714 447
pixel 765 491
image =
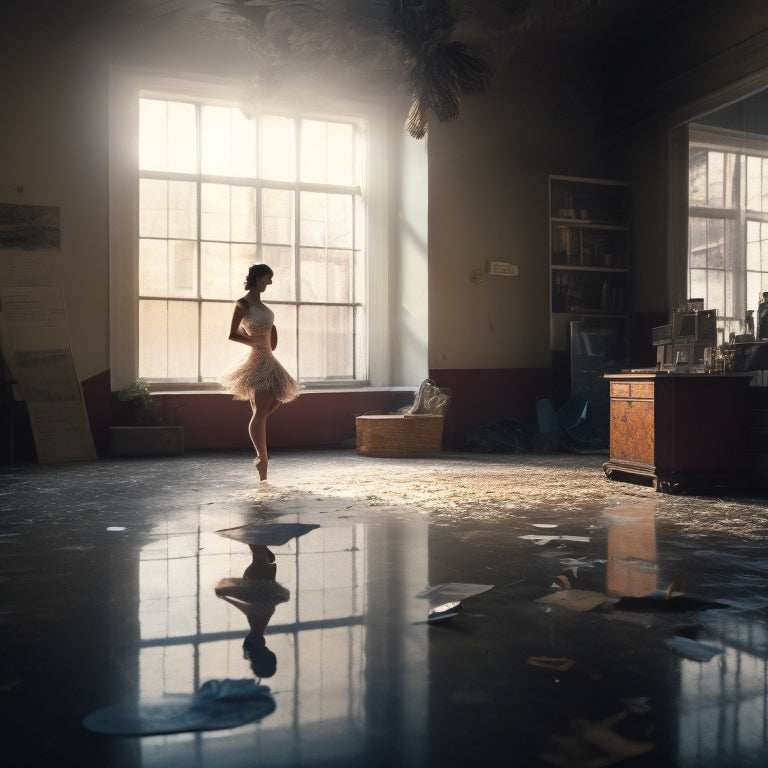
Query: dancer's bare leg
pixel 261 407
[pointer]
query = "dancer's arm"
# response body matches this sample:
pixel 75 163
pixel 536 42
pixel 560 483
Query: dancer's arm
pixel 235 332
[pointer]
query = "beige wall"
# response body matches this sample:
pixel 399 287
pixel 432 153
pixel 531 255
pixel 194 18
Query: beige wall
pixel 488 200
pixel 53 151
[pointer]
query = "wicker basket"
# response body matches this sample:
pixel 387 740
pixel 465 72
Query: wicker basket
pixel 399 435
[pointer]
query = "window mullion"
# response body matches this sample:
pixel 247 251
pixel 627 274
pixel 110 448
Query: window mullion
pixel 199 269
pixel 297 242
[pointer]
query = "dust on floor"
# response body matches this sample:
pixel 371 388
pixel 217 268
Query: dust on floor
pixel 502 485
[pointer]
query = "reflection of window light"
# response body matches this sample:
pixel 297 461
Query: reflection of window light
pixel 188 635
pixel 723 706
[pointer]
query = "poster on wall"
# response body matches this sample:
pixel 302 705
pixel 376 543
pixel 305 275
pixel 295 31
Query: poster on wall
pixel 30 244
pixel 34 334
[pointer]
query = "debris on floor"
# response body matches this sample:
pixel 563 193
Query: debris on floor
pixel 595 744
pixel 692 649
pixel 575 599
pixel 445 599
pixel 556 663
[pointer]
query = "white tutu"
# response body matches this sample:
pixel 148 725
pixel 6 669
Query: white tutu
pixel 260 372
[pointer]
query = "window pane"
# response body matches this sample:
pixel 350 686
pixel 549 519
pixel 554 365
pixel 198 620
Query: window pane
pixel 361 347
pixel 215 270
pixel 340 229
pixel 217 352
pixel 244 214
pixel 242 257
pixel 697 177
pixel 277 208
pixel 168 340
pixel 224 268
pixel 153 339
pixel 167 208
pixel 753 245
pixel 228 142
pixel 215 212
pixel 326 220
pixel 153 130
pixel 285 322
pixel 731 181
pixel 764 186
pixel 698 284
pixel 167 136
pixel 153 208
pixel 182 340
pixel 153 267
pixel 754 290
pixel 182 268
pixel 715 244
pixel 341 154
pixel 182 138
pixel 325 342
pixel 715 290
pixel 764 248
pixel 314 161
pixel 715 186
pixel 278 148
pixel 313 219
pixel 280 260
pixel 326 275
pixel 182 209
pixel 754 183
pixel 327 152
pixel 697 242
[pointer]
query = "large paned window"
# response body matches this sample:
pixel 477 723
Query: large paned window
pixel 728 223
pixel 218 192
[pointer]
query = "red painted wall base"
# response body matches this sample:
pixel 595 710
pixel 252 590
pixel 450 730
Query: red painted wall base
pixel 214 421
pixel 481 396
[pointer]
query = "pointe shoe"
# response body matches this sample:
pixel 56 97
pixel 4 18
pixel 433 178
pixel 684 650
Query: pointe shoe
pixel 262 467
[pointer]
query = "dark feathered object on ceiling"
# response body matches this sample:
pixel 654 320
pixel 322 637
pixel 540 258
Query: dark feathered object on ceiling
pixel 439 70
pixel 415 43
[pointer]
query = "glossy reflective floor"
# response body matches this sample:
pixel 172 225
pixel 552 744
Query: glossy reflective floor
pixel 617 630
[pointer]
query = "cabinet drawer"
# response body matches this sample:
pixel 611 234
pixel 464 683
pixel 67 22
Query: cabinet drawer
pixel 637 390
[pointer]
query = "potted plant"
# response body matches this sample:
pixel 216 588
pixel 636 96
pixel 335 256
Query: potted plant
pixel 148 436
pixel 144 408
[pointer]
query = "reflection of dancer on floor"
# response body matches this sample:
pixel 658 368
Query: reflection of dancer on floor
pixel 256 595
pixel 259 379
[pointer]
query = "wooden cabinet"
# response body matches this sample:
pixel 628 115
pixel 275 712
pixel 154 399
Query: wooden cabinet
pixel 588 254
pixel 681 431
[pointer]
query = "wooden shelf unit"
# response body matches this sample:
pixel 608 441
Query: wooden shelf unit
pixel 589 254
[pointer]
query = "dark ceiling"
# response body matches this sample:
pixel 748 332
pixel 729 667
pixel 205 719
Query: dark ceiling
pixel 366 41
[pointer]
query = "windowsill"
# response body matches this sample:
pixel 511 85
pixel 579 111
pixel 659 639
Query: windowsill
pixel 336 390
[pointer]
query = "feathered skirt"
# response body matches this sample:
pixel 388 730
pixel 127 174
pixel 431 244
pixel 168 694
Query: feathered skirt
pixel 260 372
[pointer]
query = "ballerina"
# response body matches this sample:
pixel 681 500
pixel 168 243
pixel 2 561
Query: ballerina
pixel 259 379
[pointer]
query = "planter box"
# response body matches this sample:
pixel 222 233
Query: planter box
pixel 399 435
pixel 146 441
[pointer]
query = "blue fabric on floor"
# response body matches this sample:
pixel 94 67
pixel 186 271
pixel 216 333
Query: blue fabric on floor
pixel 217 704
